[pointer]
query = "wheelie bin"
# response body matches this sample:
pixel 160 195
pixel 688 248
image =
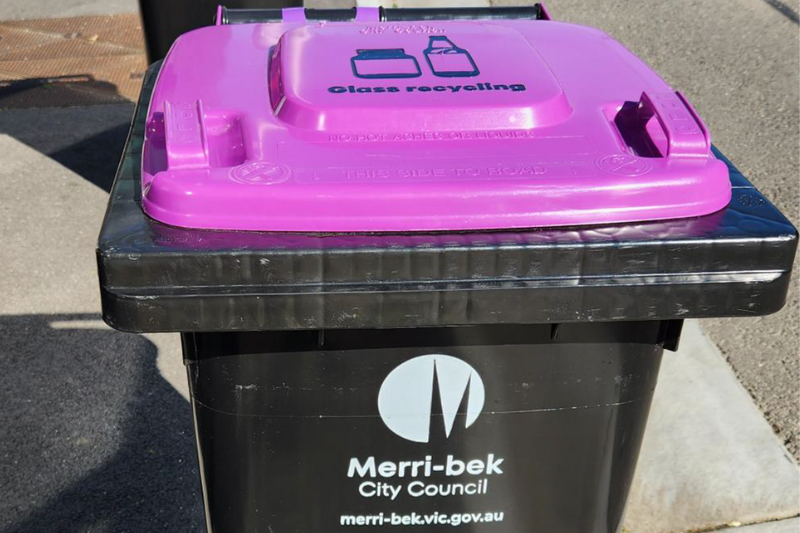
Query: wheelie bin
pixel 424 293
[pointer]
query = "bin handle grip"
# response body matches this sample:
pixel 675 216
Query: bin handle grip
pixel 686 134
pixel 185 135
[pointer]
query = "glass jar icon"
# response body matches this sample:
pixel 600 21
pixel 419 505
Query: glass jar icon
pixel 384 63
pixel 448 60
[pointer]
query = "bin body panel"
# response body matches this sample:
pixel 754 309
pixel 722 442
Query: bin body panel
pixel 310 432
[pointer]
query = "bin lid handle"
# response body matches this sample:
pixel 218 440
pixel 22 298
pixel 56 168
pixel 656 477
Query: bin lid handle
pixel 686 134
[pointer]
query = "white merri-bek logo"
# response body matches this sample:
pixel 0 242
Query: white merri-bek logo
pixel 405 401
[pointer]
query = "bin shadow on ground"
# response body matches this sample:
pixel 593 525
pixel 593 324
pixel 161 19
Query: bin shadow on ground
pixel 53 116
pixel 89 158
pixel 92 438
pixel 57 91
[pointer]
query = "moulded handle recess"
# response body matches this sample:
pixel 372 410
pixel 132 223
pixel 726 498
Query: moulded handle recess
pixel 686 134
pixel 187 145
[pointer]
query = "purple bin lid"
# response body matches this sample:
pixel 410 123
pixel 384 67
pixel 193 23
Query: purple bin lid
pixel 419 126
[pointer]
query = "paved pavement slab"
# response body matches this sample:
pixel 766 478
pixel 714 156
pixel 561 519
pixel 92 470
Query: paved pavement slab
pixel 780 526
pixel 29 9
pixel 709 457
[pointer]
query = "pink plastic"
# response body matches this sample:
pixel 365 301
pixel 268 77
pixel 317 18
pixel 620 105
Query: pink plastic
pixel 293 14
pixel 419 126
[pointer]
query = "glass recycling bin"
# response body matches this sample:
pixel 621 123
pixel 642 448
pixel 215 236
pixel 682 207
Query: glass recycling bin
pixel 424 263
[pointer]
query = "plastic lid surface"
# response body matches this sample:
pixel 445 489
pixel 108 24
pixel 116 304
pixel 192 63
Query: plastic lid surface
pixel 408 127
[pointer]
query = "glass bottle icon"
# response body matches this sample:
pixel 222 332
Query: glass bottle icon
pixel 384 63
pixel 448 60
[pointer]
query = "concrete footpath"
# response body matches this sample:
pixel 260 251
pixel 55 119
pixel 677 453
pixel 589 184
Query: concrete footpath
pixel 95 428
